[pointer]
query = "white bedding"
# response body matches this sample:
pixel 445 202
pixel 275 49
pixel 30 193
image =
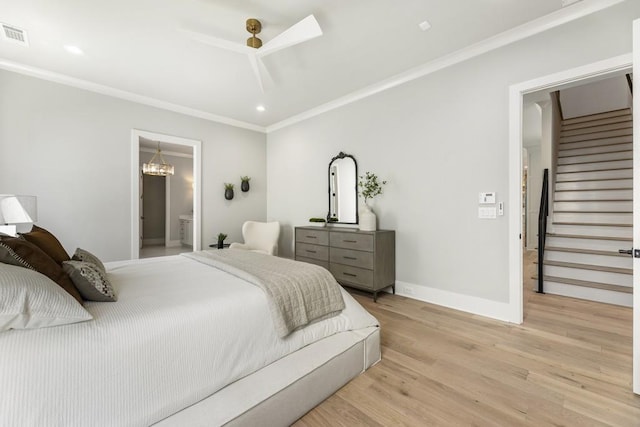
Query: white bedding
pixel 180 331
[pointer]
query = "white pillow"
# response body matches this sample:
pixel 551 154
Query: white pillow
pixel 30 300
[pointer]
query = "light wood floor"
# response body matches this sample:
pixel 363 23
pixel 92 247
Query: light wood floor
pixel 568 364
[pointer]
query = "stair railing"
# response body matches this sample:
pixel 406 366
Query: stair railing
pixel 542 229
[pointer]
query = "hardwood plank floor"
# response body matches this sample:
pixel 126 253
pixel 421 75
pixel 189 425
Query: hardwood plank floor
pixel 568 364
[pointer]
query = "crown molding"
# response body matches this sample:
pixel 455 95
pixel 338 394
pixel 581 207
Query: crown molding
pixel 122 94
pixel 544 23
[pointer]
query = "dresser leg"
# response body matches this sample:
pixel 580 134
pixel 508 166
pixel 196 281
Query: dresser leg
pixel 393 288
pixel 375 296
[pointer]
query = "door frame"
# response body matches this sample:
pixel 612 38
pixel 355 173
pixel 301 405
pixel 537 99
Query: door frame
pixel 196 147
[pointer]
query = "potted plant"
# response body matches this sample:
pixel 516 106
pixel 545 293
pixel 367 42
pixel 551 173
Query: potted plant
pixel 332 219
pixel 318 222
pixel 244 186
pixel 221 238
pixel 369 187
pixel 228 191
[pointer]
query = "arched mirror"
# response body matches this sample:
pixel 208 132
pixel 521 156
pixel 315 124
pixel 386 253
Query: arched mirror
pixel 343 190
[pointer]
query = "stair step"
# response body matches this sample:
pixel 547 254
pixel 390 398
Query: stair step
pixel 596 166
pixel 627 124
pixel 603 142
pixel 618 218
pixel 596 135
pixel 601 184
pixel 594 224
pixel 593 206
pixel 586 251
pixel 611 148
pixel 593 195
pixel 594 273
pixel 615 230
pixel 598 122
pixel 588 284
pixel 609 259
pixel 597 116
pixel 626 173
pixel 579 236
pixel 586 242
pixel 599 157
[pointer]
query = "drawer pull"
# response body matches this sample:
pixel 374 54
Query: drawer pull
pixel 310 237
pixel 310 251
pixel 349 274
pixel 350 241
pixel 351 258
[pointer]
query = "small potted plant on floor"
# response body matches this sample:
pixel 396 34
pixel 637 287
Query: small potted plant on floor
pixel 317 222
pixel 228 191
pixel 221 238
pixel 244 186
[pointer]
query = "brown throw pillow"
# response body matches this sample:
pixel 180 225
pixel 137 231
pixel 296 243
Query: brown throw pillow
pixel 48 243
pixel 22 253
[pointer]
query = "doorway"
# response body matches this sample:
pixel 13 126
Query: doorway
pixel 578 76
pixel 160 226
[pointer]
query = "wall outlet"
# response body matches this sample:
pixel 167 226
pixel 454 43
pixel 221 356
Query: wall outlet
pixel 408 290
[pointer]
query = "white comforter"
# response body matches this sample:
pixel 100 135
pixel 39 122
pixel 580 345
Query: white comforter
pixel 180 331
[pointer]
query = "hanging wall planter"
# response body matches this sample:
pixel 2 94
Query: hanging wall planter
pixel 228 191
pixel 245 183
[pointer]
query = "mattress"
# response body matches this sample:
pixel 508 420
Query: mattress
pixel 180 331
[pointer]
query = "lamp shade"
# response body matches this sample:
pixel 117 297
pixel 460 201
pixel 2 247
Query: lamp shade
pixel 18 209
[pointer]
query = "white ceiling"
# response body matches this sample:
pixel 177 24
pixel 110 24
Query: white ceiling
pixel 137 46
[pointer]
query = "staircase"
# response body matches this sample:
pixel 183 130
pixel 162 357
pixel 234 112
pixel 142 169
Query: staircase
pixel 592 210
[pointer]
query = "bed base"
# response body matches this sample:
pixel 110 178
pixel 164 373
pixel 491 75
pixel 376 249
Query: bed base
pixel 281 393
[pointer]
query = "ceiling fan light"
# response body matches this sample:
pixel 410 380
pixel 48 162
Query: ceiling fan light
pixel 254 42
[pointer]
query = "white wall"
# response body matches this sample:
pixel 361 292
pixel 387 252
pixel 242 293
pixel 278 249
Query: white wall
pixel 72 149
pixel 598 97
pixel 438 141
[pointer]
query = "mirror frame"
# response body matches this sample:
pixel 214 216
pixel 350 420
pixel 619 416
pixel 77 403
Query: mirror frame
pixel 342 155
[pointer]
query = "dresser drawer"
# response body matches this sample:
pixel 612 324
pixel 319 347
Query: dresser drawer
pixel 312 251
pixel 353 258
pixel 324 264
pixel 352 275
pixel 316 237
pixel 361 242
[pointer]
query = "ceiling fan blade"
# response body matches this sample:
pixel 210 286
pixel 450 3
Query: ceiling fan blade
pixel 217 42
pixel 304 30
pixel 260 70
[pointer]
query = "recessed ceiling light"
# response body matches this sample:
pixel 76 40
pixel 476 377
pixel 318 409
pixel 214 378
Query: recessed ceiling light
pixel 73 49
pixel 424 25
pixel 261 108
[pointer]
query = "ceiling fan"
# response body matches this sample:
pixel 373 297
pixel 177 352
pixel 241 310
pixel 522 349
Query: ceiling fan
pixel 304 30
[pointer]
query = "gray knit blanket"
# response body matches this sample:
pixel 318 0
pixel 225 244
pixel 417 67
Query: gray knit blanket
pixel 298 293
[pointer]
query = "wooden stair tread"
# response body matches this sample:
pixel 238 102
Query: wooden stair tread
pixel 593 162
pixel 591 154
pixel 598 122
pixel 596 170
pixel 588 284
pixel 589 117
pixel 591 267
pixel 581 236
pixel 585 251
pixel 596 179
pixel 604 145
pixel 594 189
pixel 591 212
pixel 595 224
pixel 593 200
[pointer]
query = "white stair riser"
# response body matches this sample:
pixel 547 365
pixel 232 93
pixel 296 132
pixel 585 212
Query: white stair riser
pixel 585 167
pixel 595 244
pixel 587 130
pixel 618 155
pixel 594 206
pixel 592 230
pixel 594 195
pixel 595 150
pixel 589 275
pixel 601 295
pixel 598 122
pixel 603 218
pixel 599 116
pixel 601 260
pixel 595 185
pixel 598 135
pixel 595 142
pixel 597 175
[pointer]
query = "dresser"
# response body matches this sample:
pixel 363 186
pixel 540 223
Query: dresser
pixel 364 260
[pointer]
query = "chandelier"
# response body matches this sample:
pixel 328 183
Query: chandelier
pixel 157 169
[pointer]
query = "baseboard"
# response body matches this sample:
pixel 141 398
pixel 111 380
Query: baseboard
pixel 470 304
pixel 153 242
pixel 173 243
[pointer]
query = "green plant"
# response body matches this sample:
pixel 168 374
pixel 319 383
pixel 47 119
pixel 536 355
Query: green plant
pixel 369 186
pixel 245 178
pixel 317 220
pixel 221 237
pixel 333 219
pixel 228 186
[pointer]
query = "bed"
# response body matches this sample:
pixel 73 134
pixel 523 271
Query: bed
pixel 185 344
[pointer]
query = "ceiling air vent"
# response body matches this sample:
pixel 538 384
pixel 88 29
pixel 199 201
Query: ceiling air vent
pixel 14 34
